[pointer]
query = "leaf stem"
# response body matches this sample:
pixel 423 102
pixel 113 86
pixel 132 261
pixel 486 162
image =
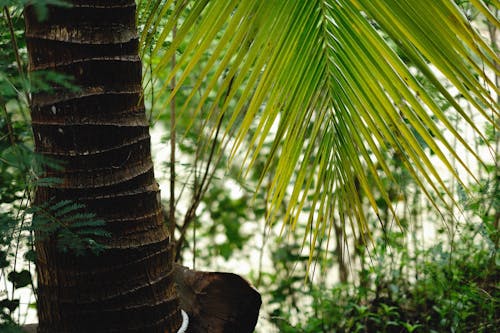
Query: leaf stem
pixel 171 212
pixel 16 49
pixel 201 189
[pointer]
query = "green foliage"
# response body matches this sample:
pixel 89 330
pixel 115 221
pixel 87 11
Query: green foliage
pixel 74 229
pixel 329 83
pixel 16 155
pixel 399 287
pixel 20 279
pixel 228 216
pixel 391 282
pixel 40 5
pixel 449 292
pixel 397 283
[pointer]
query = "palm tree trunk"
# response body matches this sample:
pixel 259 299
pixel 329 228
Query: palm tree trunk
pixel 101 135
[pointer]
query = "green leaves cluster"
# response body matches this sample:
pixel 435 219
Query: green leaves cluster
pixel 39 5
pixel 227 217
pixel 74 229
pixel 452 292
pixel 328 83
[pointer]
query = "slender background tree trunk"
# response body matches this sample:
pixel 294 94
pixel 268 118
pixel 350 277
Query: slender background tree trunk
pixel 101 135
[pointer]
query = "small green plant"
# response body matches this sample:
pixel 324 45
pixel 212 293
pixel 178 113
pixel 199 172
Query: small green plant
pixel 461 296
pixel 74 229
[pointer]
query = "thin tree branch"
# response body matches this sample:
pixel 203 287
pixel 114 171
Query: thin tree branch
pixel 8 122
pixel 493 37
pixel 205 181
pixel 172 221
pixel 199 192
pixel 16 50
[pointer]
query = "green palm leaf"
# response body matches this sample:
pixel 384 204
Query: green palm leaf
pixel 334 83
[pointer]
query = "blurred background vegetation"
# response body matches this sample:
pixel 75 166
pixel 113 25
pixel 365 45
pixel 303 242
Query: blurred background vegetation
pixel 432 270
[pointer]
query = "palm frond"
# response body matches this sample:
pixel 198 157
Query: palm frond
pixel 332 84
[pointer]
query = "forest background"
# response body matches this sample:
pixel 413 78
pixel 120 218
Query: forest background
pixel 419 268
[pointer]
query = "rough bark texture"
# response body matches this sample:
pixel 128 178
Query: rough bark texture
pixel 101 135
pixel 215 302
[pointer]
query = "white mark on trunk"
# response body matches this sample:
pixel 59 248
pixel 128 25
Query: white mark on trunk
pixel 185 322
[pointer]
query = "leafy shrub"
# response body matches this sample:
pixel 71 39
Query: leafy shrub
pixel 449 292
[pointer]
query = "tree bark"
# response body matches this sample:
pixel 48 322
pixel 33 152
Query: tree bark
pixel 217 302
pixel 101 134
